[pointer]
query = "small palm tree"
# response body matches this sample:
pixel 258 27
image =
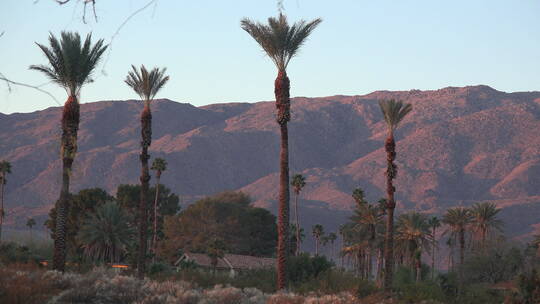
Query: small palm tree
pixel 281 42
pixel 358 196
pixel 485 220
pixel 293 234
pixel 393 112
pixel 159 165
pixel 434 223
pixel 31 223
pixel 413 235
pixel 71 64
pixel 458 220
pixel 5 169
pixel 106 234
pixel 298 182
pixel 332 237
pixel 146 84
pixel 318 232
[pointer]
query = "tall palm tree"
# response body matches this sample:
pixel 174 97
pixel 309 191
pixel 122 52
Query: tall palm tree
pixel 31 223
pixel 332 237
pixel 298 183
pixel 434 223
pixel 281 42
pixel 358 196
pixel 71 63
pixel 458 220
pixel 106 234
pixel 146 84
pixel 393 112
pixel 5 169
pixel 318 232
pixel 159 165
pixel 485 220
pixel 413 235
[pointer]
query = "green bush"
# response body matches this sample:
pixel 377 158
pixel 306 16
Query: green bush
pixel 302 268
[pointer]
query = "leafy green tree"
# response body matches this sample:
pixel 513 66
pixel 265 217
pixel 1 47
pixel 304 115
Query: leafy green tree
pixel 281 43
pixel 146 84
pixel 434 223
pixel 83 203
pixel 31 223
pixel 159 165
pixel 318 232
pixel 413 235
pixel 106 234
pixel 228 216
pixel 484 221
pixel 71 64
pixel 298 183
pixel 393 112
pixel 5 169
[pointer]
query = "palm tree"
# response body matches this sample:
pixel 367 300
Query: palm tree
pixel 5 169
pixel 458 219
pixel 159 165
pixel 358 196
pixel 434 223
pixel 281 43
pixel 298 182
pixel 106 234
pixel 318 232
pixel 292 238
pixel 413 235
pixel 146 84
pixel 393 112
pixel 332 236
pixel 31 223
pixel 71 64
pixel 485 220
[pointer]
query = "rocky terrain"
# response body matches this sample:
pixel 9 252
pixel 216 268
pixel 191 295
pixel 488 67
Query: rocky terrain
pixel 457 147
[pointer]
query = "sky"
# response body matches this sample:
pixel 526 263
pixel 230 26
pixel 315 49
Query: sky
pixel 361 46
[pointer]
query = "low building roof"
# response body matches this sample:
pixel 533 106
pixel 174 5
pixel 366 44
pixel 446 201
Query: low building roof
pixel 234 261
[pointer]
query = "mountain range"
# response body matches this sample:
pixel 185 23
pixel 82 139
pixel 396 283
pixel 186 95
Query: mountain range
pixel 459 145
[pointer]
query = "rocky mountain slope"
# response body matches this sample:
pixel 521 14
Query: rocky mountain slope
pixel 457 147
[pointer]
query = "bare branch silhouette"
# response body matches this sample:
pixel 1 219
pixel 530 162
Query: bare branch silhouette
pixel 10 82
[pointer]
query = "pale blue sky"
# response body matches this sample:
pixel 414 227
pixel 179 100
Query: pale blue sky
pixel 360 47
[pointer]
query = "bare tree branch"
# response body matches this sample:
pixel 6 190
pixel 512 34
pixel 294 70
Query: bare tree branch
pixel 10 82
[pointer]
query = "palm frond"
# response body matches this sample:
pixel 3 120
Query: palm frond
pixel 278 39
pixel 394 111
pixel 146 84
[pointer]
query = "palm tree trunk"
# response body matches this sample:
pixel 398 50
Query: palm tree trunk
pixel 379 266
pixel 461 247
pixel 146 134
pixel 281 91
pixel 316 246
pixel 70 128
pixel 390 147
pixel 433 256
pixel 154 239
pixel 418 268
pixel 297 251
pixel 2 181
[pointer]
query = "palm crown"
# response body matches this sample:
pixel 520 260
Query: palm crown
pixel 159 164
pixel 70 62
pixel 457 218
pixel 298 182
pixel 413 229
pixel 485 217
pixel 278 39
pixel 5 168
pixel 146 84
pixel 394 112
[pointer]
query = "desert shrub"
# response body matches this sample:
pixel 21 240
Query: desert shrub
pixel 11 252
pixel 304 267
pixel 334 282
pixel 24 284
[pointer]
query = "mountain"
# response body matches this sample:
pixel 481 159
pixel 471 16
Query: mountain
pixel 457 147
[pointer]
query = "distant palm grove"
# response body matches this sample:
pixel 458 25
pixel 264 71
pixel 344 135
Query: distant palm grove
pixel 381 249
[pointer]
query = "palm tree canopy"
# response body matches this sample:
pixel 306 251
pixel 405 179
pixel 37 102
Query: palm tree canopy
pixel 298 182
pixel 5 168
pixel 434 222
pixel 146 84
pixel 31 222
pixel 318 230
pixel 358 196
pixel 485 216
pixel 71 62
pixel 159 164
pixel 457 218
pixel 394 112
pixel 413 229
pixel 106 234
pixel 278 39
